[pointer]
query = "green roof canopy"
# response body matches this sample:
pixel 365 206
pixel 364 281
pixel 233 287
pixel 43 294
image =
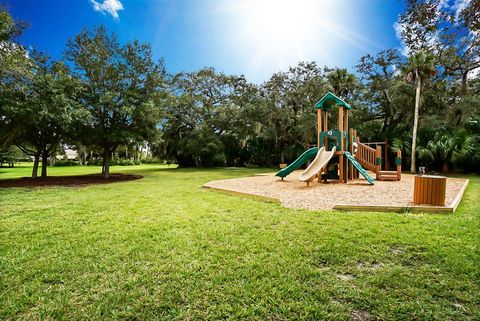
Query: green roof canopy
pixel 330 100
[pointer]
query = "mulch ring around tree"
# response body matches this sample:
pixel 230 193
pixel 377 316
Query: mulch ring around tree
pixel 68 181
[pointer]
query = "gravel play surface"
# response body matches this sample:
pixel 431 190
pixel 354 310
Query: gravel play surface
pixel 294 194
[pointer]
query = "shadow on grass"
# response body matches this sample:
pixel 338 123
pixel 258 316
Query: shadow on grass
pixel 67 180
pixel 198 169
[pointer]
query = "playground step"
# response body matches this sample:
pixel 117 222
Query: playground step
pixel 387 172
pixel 387 178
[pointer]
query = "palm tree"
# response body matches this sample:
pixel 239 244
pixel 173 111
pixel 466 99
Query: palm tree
pixel 467 156
pixel 420 67
pixel 440 150
pixel 342 82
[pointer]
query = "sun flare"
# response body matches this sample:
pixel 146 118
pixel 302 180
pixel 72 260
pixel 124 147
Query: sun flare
pixel 280 25
pixel 276 22
pixel 283 32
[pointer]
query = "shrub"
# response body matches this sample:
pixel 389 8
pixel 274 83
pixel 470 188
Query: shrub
pixel 150 160
pixel 125 162
pixel 115 162
pixel 67 162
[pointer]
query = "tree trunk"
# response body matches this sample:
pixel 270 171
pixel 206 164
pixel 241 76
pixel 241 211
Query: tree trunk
pixel 36 160
pixel 413 166
pixel 84 156
pixel 388 117
pixel 44 163
pixel 464 84
pixel 445 168
pixel 106 162
pixel 282 153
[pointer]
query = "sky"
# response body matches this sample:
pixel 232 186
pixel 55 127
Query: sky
pixel 255 38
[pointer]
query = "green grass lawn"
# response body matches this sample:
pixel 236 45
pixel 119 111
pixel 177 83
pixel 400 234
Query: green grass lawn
pixel 164 248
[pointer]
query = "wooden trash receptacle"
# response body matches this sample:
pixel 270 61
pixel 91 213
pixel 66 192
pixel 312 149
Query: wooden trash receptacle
pixel 429 190
pixel 282 165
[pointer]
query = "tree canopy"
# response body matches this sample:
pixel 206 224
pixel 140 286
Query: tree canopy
pixel 122 90
pixel 113 99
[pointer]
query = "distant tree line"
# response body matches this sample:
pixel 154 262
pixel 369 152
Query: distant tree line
pixel 106 97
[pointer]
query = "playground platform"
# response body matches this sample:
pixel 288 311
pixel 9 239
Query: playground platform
pixel 357 195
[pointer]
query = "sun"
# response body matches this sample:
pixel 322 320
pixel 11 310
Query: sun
pixel 278 22
pixel 277 32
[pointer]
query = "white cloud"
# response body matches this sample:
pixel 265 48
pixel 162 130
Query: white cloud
pixel 443 4
pixel 398 27
pixel 459 5
pixel 454 6
pixel 404 50
pixel 396 71
pixel 473 74
pixel 430 42
pixel 112 7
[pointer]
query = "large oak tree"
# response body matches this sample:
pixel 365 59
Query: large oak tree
pixel 46 111
pixel 123 90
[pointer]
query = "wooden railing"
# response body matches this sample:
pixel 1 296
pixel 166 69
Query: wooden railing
pixel 371 159
pixel 366 157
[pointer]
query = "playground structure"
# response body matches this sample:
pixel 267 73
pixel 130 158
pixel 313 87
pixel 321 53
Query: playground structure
pixel 339 154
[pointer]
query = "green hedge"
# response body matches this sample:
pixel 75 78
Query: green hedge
pixel 115 162
pixel 66 163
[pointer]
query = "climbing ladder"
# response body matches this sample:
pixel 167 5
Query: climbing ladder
pixel 359 167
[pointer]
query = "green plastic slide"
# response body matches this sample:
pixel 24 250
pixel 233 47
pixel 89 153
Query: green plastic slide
pixel 359 167
pixel 302 159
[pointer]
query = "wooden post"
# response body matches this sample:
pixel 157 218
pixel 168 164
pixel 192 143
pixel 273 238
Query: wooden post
pixel 345 120
pixel 399 165
pixel 319 126
pixel 350 144
pixel 340 157
pixel 345 170
pixel 344 139
pixel 355 172
pixel 340 168
pixel 319 130
pixel 340 125
pixel 325 121
pixel 387 161
pixel 345 124
pixel 378 163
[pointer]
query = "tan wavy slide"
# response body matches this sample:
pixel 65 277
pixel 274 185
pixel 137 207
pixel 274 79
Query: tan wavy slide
pixel 320 161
